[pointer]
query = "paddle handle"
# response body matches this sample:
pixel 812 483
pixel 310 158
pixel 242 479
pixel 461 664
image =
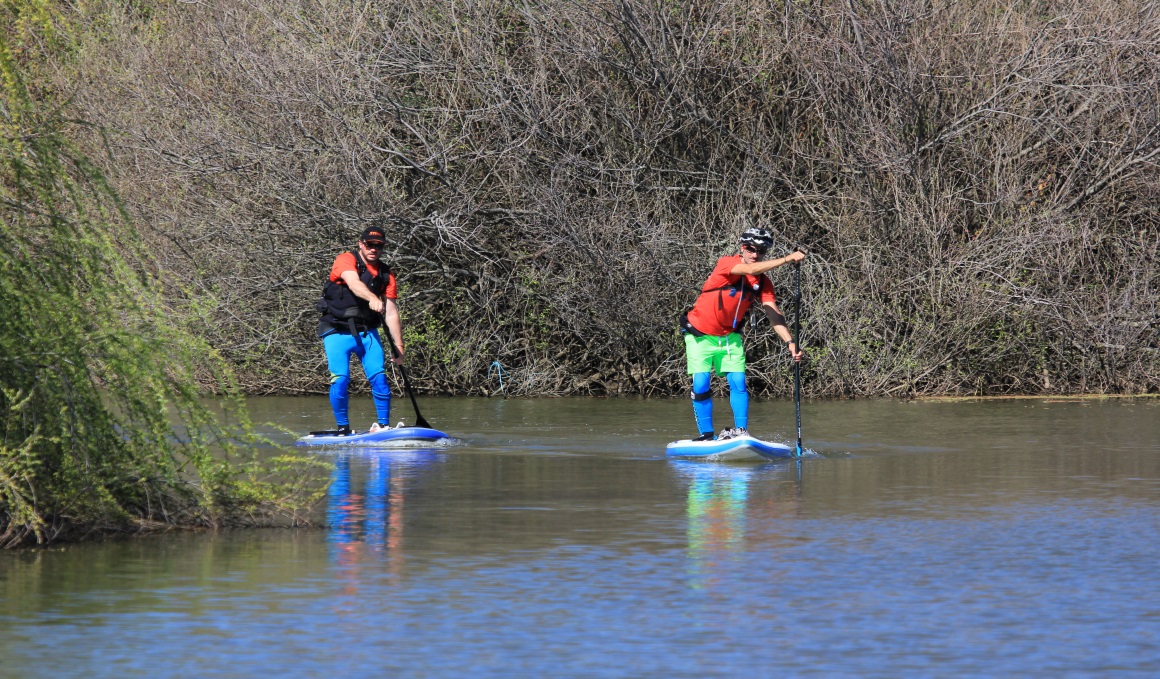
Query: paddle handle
pixel 797 365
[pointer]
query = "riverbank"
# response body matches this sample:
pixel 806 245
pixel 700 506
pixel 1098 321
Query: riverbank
pixel 1057 398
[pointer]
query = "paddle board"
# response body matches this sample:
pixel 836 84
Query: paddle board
pixel 740 448
pixel 399 437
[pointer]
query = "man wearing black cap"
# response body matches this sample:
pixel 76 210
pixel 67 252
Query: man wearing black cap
pixel 358 296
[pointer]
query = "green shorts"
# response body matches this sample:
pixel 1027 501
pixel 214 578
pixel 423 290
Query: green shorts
pixel 721 354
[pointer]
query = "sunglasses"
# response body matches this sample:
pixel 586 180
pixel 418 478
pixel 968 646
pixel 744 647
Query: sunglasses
pixel 757 251
pixel 374 246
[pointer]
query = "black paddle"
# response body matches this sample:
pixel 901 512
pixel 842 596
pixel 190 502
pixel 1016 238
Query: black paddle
pixel 797 365
pixel 419 420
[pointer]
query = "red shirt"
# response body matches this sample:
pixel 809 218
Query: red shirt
pixel 346 262
pixel 719 312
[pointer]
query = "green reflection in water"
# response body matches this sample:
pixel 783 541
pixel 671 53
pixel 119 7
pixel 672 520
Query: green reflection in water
pixel 716 509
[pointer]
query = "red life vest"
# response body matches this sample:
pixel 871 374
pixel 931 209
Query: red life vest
pixel 720 309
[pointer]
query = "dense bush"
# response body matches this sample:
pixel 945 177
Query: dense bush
pixel 102 424
pixel 976 181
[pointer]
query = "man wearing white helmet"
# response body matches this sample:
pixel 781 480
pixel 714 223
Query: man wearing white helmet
pixel 712 328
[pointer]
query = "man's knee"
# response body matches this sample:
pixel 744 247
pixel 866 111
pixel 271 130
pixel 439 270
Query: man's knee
pixel 339 381
pixel 737 382
pixel 701 390
pixel 379 383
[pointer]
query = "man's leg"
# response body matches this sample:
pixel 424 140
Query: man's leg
pixel 703 403
pixel 733 365
pixel 374 365
pixel 339 347
pixel 699 354
pixel 738 399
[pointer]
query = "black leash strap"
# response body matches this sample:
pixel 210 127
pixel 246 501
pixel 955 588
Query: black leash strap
pixel 362 350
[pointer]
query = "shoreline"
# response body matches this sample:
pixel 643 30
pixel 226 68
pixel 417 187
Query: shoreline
pixel 993 397
pixel 1044 397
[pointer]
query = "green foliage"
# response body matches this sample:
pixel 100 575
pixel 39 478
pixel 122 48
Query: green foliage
pixel 103 424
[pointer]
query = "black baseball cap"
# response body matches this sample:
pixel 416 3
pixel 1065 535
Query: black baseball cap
pixel 373 234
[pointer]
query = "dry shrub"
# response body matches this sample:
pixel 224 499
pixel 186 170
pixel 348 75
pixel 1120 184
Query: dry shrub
pixel 976 181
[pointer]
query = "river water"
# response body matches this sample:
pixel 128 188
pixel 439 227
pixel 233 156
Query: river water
pixel 930 538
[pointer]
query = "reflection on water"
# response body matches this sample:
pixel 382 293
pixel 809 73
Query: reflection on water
pixel 716 514
pixel 369 524
pixel 720 505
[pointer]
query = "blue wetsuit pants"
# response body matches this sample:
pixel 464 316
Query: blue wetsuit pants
pixel 339 346
pixel 738 400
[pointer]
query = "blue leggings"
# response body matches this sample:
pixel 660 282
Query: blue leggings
pixel 738 400
pixel 339 346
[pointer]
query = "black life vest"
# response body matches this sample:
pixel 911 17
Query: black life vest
pixel 343 310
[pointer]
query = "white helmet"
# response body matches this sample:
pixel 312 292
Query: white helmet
pixel 758 239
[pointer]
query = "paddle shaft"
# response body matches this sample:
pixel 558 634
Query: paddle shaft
pixel 797 365
pixel 419 420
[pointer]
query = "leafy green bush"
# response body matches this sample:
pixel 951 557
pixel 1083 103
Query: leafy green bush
pixel 102 421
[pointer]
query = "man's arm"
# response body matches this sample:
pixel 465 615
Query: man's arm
pixel 777 320
pixel 360 290
pixel 395 326
pixel 761 267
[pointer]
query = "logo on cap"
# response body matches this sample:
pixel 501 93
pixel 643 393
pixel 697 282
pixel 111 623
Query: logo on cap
pixel 373 235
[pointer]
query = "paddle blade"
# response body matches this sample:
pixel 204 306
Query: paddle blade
pixel 419 419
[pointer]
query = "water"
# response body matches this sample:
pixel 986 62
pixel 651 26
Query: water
pixel 932 538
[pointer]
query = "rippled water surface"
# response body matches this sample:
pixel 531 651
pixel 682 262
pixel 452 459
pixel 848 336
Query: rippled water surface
pixel 987 538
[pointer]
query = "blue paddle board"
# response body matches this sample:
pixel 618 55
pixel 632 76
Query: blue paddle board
pixel 399 437
pixel 740 448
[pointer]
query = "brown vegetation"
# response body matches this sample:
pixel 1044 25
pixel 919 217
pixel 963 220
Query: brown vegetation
pixel 976 181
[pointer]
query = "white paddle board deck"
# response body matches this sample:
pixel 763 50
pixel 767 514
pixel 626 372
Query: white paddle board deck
pixel 740 448
pixel 399 437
